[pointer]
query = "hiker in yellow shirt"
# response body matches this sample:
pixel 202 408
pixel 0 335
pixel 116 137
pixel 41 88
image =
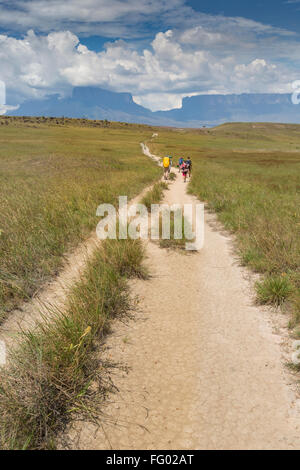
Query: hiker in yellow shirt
pixel 166 167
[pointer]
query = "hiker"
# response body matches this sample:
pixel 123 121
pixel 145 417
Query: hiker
pixel 189 164
pixel 180 162
pixel 185 170
pixel 166 166
pixel 171 164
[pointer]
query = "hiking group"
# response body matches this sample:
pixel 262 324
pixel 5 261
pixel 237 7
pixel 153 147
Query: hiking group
pixel 184 166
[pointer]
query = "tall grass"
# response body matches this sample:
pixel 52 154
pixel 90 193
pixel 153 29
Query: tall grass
pixel 260 204
pixel 52 374
pixel 52 180
pixel 154 195
pixel 249 175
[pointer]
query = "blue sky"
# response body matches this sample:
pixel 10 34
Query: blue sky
pixel 159 50
pixel 279 13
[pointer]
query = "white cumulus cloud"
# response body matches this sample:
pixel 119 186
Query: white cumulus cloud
pixel 176 63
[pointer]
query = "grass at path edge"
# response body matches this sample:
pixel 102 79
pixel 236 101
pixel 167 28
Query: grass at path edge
pixel 53 374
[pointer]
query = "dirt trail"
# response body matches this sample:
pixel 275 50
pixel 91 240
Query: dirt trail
pixel 53 295
pixel 205 368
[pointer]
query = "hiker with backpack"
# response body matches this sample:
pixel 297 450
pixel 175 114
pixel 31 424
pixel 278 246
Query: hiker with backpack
pixel 189 164
pixel 185 170
pixel 166 167
pixel 180 162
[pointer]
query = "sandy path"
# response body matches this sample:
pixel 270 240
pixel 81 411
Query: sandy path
pixel 205 366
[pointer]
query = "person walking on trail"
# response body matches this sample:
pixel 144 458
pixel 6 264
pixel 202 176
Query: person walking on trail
pixel 182 166
pixel 185 170
pixel 171 164
pixel 166 165
pixel 189 164
pixel 180 162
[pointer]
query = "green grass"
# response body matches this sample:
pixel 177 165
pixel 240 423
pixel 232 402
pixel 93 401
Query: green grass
pixel 172 176
pixel 154 195
pixel 274 290
pixel 53 375
pixel 53 177
pixel 249 174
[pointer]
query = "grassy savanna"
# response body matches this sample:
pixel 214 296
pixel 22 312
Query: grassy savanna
pixel 249 175
pixel 53 374
pixel 53 175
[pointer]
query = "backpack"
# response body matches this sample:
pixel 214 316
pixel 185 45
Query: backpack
pixel 166 162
